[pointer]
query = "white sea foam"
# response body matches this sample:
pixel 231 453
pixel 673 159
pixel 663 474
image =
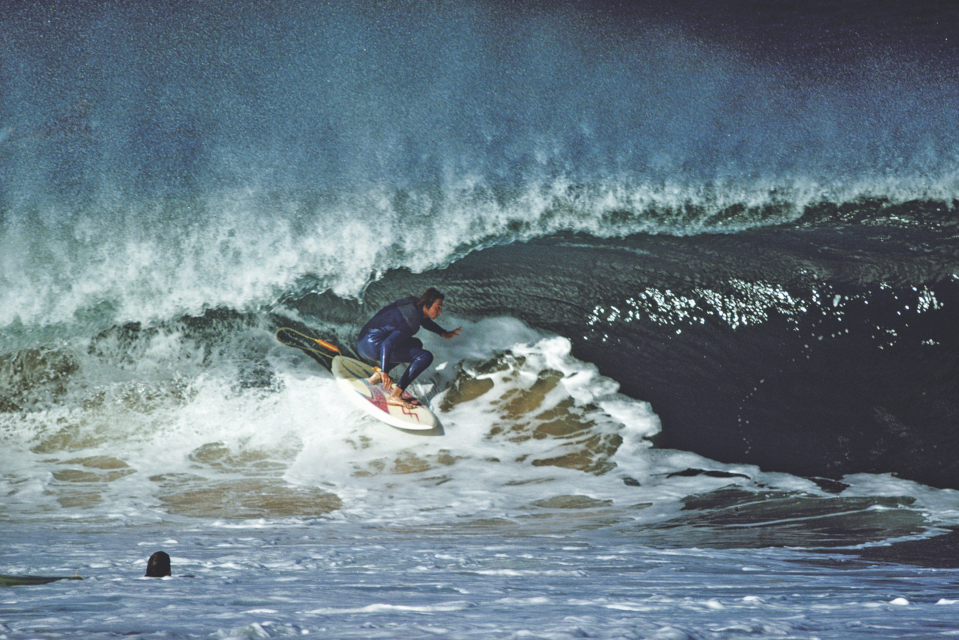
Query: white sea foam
pixel 263 153
pixel 242 250
pixel 162 424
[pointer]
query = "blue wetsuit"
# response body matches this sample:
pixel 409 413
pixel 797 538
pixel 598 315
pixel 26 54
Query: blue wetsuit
pixel 387 339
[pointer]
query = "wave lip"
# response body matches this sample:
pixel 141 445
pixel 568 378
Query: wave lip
pixel 331 150
pixel 247 252
pixel 819 347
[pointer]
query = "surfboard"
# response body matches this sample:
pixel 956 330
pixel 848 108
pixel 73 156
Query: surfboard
pixel 10 581
pixel 353 377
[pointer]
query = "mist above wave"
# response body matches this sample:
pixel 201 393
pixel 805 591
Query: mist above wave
pixel 164 169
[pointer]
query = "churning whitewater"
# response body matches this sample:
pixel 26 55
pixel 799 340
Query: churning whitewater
pixel 706 261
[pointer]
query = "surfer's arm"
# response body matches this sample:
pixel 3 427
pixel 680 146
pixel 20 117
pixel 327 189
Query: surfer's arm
pixel 429 325
pixel 440 331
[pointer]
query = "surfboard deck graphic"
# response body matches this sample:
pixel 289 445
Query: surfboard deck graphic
pixel 353 376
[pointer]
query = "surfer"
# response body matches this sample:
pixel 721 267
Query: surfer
pixel 158 566
pixel 387 339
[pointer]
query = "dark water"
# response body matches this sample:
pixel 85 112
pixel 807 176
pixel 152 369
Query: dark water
pixel 822 347
pixel 704 254
pixel 742 212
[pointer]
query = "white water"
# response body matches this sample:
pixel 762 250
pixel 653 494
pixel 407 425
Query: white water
pixel 161 163
pixel 342 580
pixel 286 512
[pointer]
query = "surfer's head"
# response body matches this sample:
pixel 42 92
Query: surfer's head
pixel 431 302
pixel 158 566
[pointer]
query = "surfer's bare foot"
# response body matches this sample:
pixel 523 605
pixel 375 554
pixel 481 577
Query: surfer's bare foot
pixel 396 398
pixel 375 379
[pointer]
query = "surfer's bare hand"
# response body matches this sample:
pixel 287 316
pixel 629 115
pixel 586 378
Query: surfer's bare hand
pixel 452 334
pixel 386 380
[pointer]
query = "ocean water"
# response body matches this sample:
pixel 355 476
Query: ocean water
pixel 706 261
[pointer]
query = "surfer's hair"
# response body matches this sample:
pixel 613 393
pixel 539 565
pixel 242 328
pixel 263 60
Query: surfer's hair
pixel 429 298
pixel 158 566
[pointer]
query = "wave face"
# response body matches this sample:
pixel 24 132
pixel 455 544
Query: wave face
pixel 704 254
pixel 823 347
pixel 751 228
pixel 164 160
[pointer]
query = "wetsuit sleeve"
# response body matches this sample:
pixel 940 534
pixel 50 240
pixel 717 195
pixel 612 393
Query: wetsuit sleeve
pixel 429 325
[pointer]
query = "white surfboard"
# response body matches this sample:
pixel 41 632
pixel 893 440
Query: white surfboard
pixel 353 377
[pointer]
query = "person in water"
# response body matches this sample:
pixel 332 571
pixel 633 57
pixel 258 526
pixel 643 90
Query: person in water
pixel 158 566
pixel 387 339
